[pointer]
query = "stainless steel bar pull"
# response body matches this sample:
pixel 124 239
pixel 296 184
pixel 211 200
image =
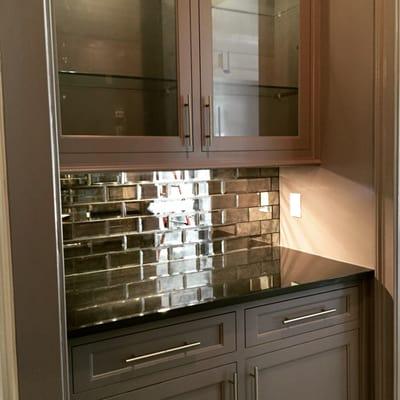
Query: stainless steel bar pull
pixel 188 122
pixel 163 352
pixel 287 321
pixel 234 382
pixel 208 121
pixel 255 375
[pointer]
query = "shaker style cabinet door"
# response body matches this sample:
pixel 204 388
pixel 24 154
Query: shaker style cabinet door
pixel 256 74
pixel 124 75
pixel 214 384
pixel 325 369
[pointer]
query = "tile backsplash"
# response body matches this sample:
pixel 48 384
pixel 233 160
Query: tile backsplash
pixel 129 235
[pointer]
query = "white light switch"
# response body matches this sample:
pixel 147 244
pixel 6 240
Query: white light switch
pixel 295 205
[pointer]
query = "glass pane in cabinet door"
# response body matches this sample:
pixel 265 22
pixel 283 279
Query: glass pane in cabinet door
pixel 117 67
pixel 255 64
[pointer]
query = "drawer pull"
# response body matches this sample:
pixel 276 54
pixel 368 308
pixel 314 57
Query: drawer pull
pixel 163 352
pixel 234 382
pixel 287 321
pixel 255 375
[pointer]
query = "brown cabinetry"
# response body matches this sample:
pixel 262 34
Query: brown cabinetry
pixel 179 83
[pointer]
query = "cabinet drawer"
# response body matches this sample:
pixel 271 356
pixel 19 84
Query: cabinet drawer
pixel 140 356
pixel 293 317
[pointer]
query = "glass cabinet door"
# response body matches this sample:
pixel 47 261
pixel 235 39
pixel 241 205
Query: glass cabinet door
pixel 255 57
pixel 124 75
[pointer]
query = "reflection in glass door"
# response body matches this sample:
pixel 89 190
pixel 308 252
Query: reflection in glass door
pixel 255 68
pixel 118 67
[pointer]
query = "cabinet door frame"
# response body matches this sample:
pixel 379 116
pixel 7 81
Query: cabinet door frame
pixel 70 144
pixel 308 87
pixel 349 340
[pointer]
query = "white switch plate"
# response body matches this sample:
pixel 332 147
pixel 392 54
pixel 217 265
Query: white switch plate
pixel 295 205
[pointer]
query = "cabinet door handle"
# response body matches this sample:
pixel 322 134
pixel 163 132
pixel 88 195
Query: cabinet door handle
pixel 188 129
pixel 163 352
pixel 234 382
pixel 287 321
pixel 208 120
pixel 255 375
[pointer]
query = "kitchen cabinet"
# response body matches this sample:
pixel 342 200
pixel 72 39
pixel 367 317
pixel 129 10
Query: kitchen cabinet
pixel 312 345
pixel 188 84
pixel 322 369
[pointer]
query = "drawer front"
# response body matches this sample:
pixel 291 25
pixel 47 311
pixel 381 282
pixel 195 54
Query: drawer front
pixel 141 355
pixel 277 321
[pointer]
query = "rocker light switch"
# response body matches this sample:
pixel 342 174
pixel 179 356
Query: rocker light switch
pixel 295 205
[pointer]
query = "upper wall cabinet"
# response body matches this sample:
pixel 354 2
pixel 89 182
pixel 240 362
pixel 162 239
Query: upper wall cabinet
pixel 187 83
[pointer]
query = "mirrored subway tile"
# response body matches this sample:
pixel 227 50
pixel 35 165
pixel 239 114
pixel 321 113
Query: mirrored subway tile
pixel 104 178
pixel 86 281
pixel 260 241
pixel 209 188
pixel 105 211
pixel 210 248
pixel 263 282
pixel 276 212
pixel 248 228
pixel 273 198
pixel 206 293
pixel 211 218
pixel 150 256
pixel 142 288
pixel 198 175
pixel 108 245
pixel 142 240
pixel 237 288
pixel 259 254
pixel 149 224
pixel 116 193
pixel 87 317
pixel 156 303
pixel 223 275
pixel 181 190
pixel 184 297
pixel 173 238
pixel 223 173
pixel 259 185
pixel 124 275
pixel 76 214
pixel 88 229
pixel 270 226
pixel 223 231
pixel 183 266
pixel 148 191
pixel 125 259
pixel 196 235
pixel 86 264
pixel 211 262
pixel 269 172
pixel 234 215
pixel 248 200
pixel 248 173
pixel 197 279
pixel 223 201
pixel 260 213
pixel 236 186
pixel 235 244
pixel 77 249
pixel 126 308
pixel 182 221
pixel 87 195
pixel 235 259
pixel 127 225
pixel 169 176
pixel 181 252
pixel 137 177
pixel 275 184
pixel 170 283
pixel 275 239
pixel 67 231
pixel 136 208
pixel 249 271
pixel 73 180
pixel 151 271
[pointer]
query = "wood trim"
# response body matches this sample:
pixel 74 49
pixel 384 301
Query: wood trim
pixel 386 183
pixel 8 352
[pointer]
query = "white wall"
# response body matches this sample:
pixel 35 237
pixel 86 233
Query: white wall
pixel 338 197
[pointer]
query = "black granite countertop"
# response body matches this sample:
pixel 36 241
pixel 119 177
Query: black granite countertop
pixel 212 285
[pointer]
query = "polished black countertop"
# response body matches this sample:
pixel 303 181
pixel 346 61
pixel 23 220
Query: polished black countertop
pixel 213 284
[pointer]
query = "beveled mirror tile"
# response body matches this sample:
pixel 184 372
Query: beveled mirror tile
pixel 151 271
pixel 150 256
pixel 125 259
pixel 85 282
pixel 124 275
pixel 136 177
pixel 178 253
pixel 275 184
pixel 224 275
pixel 73 180
pixel 198 175
pixel 87 264
pixel 182 297
pixel 136 208
pixel 236 258
pixel 276 212
pixel 206 293
pixel 223 231
pixel 173 238
pixel 248 200
pixel 103 178
pixel 248 172
pixel 183 266
pixel 197 279
pixel 195 236
pixel 259 254
pixel 273 198
pixel 182 221
pixel 211 262
pixel 223 173
pixel 105 211
pixel 181 190
pixel 87 195
pixel 170 283
pixel 170 176
pixel 236 186
pixel 271 226
pixel 142 288
pixel 125 308
pixel 77 250
pixel 97 296
pixel 116 226
pixel 260 213
pixel 275 239
pixel 269 172
pixel 141 241
pixel 155 303
pixel 235 215
pixel 148 191
pixel 152 224
pixel 211 248
pixel 88 229
pixel 116 193
pixel 67 231
pixel 223 201
pixel 236 244
pixel 248 228
pixel 259 185
pixel 108 245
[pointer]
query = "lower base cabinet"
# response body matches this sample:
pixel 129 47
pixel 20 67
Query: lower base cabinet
pixel 325 369
pixel 214 384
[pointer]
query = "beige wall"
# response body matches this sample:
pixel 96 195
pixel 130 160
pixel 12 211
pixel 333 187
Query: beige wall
pixel 338 197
